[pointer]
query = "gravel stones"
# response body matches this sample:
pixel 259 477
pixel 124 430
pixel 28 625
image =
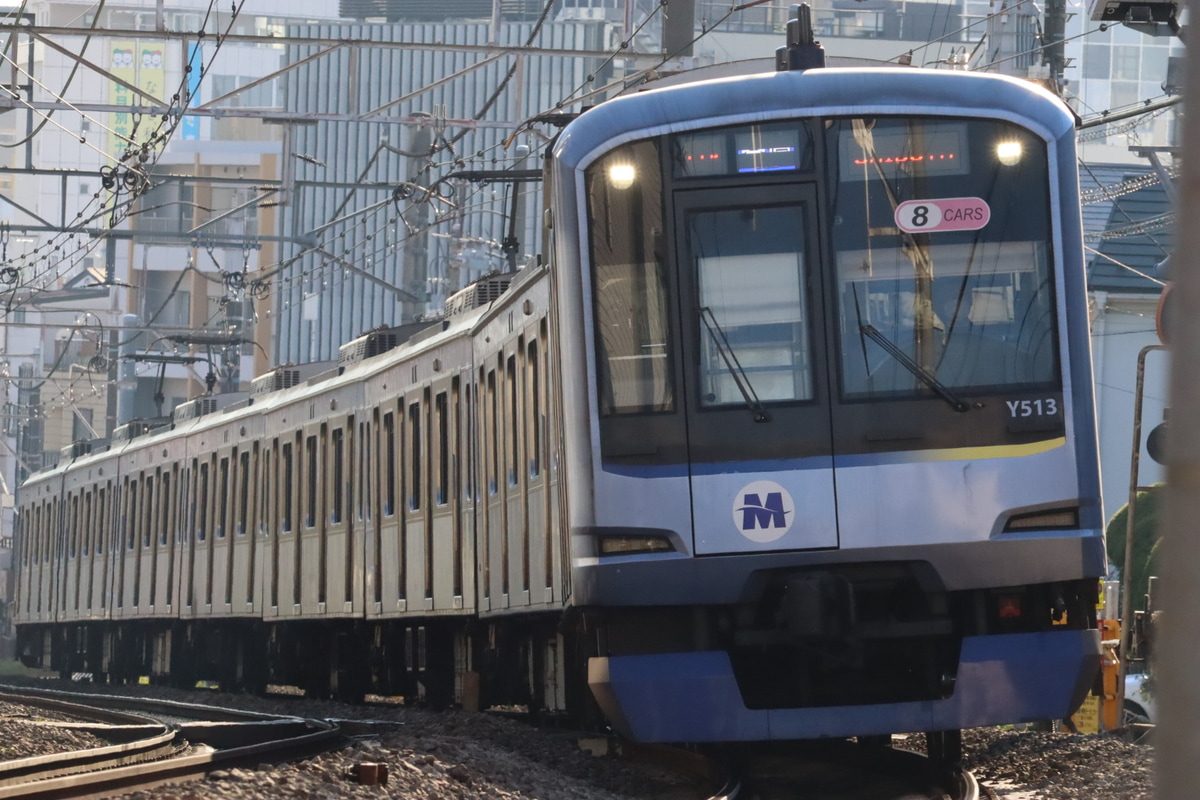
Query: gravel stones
pixel 26 732
pixel 458 755
pixel 1059 766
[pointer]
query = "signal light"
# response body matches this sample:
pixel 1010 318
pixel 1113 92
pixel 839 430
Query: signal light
pixel 1156 443
pixel 1009 606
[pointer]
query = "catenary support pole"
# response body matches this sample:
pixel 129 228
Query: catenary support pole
pixel 1178 736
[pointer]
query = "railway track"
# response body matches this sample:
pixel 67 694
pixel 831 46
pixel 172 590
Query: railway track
pixel 193 740
pixel 153 742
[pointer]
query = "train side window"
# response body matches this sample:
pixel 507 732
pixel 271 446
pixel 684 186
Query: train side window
pixel 634 344
pixel 337 491
pixel 415 467
pixel 285 521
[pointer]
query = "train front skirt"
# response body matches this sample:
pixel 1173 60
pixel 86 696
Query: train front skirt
pixel 694 697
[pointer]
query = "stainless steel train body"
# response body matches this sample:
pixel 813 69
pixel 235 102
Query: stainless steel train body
pixel 341 535
pixel 792 437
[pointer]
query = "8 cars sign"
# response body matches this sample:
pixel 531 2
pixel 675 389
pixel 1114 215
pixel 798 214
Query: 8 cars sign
pixel 946 214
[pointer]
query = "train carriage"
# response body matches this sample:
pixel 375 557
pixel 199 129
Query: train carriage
pixel 838 401
pixel 791 436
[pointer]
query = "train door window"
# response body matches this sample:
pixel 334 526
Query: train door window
pixel 634 345
pixel 91 523
pixel 42 551
pixel 148 512
pixel 468 422
pixel 222 513
pixel 217 497
pixel 297 542
pixel 73 542
pixel 172 527
pixel 377 527
pixel 130 515
pixel 268 488
pixel 165 499
pixel 455 449
pixel 337 490
pixel 285 501
pixel 276 515
pixel 250 524
pixel 364 471
pixel 389 464
pixel 323 538
pixel 33 531
pixel 752 280
pixel 425 469
pixel 442 455
pixel 414 466
pixel 243 501
pixel 102 520
pixel 202 504
pixel 39 534
pixel 53 541
pixel 492 435
pixel 533 406
pixel 512 422
pixel 310 481
pixel 348 492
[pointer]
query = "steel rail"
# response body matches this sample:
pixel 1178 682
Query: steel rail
pixel 191 741
pixel 142 738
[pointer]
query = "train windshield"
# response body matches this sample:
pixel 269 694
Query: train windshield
pixel 941 234
pixel 634 339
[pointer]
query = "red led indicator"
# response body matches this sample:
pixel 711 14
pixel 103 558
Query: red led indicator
pixel 905 159
pixel 704 157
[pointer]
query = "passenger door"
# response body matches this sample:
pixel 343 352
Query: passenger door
pixel 756 394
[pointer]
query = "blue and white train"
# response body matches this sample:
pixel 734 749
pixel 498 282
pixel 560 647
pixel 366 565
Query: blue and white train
pixel 791 437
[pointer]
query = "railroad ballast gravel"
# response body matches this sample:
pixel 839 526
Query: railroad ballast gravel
pixel 27 732
pixel 458 755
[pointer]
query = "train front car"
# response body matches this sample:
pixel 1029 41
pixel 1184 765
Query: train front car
pixel 828 409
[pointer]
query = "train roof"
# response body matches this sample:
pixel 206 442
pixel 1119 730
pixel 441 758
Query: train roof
pixel 830 91
pixel 465 321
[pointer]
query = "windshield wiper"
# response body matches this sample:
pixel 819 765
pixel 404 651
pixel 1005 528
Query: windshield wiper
pixel 733 365
pixel 921 374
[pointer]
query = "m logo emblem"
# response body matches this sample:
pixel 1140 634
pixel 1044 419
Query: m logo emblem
pixel 763 511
